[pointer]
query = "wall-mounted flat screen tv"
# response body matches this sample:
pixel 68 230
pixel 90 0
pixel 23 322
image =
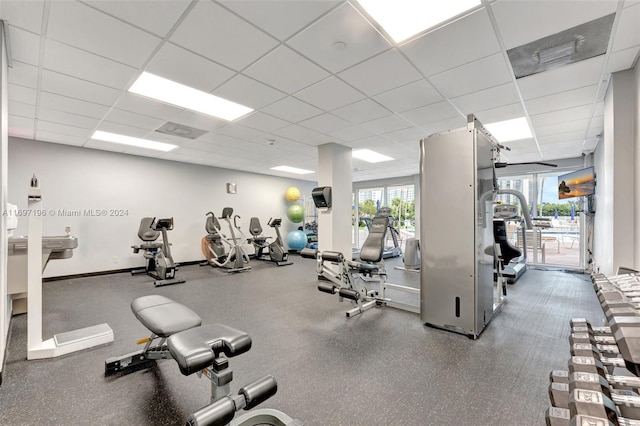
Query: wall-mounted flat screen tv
pixel 577 184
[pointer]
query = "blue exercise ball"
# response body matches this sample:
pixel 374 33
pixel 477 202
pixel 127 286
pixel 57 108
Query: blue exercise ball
pixel 296 240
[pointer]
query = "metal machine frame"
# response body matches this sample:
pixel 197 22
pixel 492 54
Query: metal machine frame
pixel 458 292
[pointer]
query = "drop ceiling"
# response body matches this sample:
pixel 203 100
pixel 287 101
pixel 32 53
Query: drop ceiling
pixel 315 72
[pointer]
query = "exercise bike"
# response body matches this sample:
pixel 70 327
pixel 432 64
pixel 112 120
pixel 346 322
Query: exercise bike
pixel 276 251
pixel 221 251
pixel 160 264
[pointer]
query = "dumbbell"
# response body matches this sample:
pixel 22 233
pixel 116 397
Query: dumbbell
pixel 563 386
pixel 626 332
pixel 555 416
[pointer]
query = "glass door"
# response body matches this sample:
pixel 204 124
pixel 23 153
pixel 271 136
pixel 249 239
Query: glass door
pixel 560 223
pixel 401 200
pixel 369 202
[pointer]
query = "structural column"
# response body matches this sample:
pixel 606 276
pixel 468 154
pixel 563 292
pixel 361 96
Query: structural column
pixel 5 311
pixel 334 224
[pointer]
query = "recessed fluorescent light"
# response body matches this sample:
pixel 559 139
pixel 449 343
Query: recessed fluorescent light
pixel 370 156
pixel 164 90
pixel 288 169
pixel 510 130
pixel 402 19
pixel 128 140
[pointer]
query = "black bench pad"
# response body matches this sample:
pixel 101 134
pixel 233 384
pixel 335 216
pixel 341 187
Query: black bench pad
pixel 195 349
pixel 162 316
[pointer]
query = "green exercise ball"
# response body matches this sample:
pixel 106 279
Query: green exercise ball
pixel 295 213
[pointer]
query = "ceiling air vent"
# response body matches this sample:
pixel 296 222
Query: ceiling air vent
pixel 581 42
pixel 180 130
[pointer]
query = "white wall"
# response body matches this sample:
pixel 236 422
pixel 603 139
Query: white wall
pixel 616 221
pixel 73 178
pixel 636 160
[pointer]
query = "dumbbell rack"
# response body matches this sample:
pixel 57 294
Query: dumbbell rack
pixel 601 385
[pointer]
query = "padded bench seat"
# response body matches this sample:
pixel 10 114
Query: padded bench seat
pixel 195 349
pixel 162 316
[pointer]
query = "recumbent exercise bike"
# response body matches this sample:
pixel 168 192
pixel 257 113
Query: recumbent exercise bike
pixel 160 264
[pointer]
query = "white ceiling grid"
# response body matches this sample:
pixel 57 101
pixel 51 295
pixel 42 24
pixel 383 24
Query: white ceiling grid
pixel 314 71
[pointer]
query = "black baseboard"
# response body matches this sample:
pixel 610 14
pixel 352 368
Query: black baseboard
pixel 109 272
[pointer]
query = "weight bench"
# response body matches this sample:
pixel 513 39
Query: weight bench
pixel 177 332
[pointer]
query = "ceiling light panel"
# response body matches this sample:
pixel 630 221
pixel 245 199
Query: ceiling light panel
pixel 402 19
pixel 288 169
pixel 370 156
pixel 510 130
pixel 170 92
pixel 131 141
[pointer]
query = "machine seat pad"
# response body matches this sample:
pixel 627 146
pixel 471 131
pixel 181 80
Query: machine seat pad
pixel 365 268
pixel 195 349
pixel 162 316
pixel 150 246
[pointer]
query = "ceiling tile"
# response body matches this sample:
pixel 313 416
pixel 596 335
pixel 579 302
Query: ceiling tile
pixel 381 73
pixel 521 22
pixel 81 26
pixel 199 121
pixel 23 14
pixel 579 125
pixel 76 88
pixel 562 116
pixel 43 135
pixel 572 76
pixel 351 133
pixel 297 74
pixel 462 41
pixel 342 25
pixel 324 123
pixel 622 59
pixel 133 119
pixel 154 16
pixel 280 18
pixel 361 111
pixel 26 95
pixel 292 110
pixel 23 75
pixel 479 75
pixel 21 126
pixel 330 94
pixel 68 60
pixel 261 121
pixel 506 112
pixel 25 46
pixel 562 100
pixel 560 137
pixel 221 36
pixel 493 97
pixel 67 119
pixel 62 129
pixel 430 113
pixel 248 92
pixel 295 132
pixel 237 131
pixel 145 106
pixel 412 95
pixel 445 125
pixel 22 110
pixel 62 103
pixel 413 134
pixel 627 34
pixel 178 64
pixel 386 124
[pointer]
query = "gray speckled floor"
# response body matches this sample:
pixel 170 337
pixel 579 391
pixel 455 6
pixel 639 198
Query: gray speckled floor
pixel 380 368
